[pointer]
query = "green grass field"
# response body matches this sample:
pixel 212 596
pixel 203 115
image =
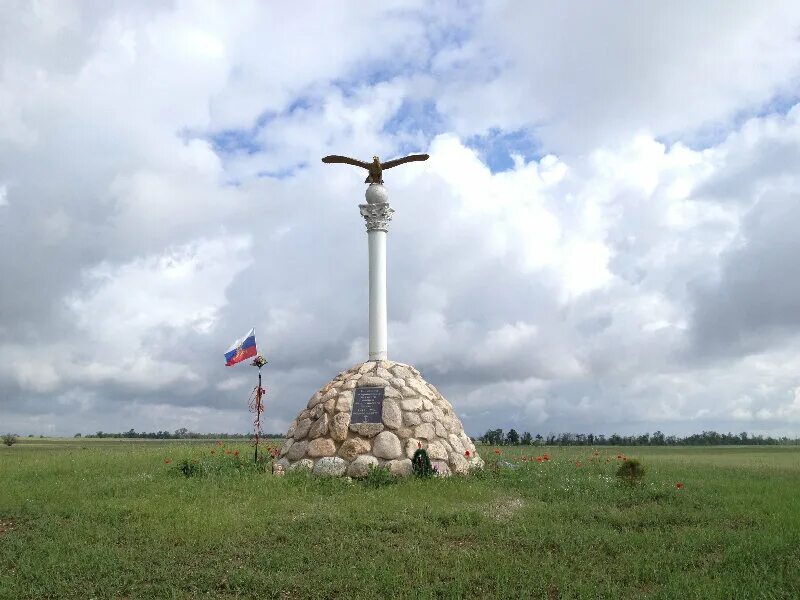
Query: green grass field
pixel 109 519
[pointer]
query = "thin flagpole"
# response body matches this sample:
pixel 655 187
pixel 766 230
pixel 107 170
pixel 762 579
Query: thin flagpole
pixel 256 402
pixel 258 412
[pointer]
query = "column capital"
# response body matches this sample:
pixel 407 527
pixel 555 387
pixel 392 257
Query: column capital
pixel 377 215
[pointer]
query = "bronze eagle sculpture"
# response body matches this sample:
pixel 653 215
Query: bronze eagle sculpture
pixel 376 167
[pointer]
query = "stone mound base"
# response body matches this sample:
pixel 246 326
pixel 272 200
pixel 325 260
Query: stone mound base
pixel 322 438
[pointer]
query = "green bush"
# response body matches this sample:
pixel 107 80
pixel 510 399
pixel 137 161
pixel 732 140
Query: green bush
pixel 189 468
pixel 378 477
pixel 421 464
pixel 9 439
pixel 631 472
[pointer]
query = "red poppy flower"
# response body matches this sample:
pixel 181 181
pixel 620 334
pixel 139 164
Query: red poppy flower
pixel 679 485
pixel 419 445
pixel 539 459
pixel 497 450
pixel 167 461
pixel 236 453
pixel 466 453
pixel 227 451
pixel 624 458
pixel 546 457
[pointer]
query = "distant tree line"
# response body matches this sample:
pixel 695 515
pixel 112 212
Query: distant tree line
pixel 179 434
pixel 497 437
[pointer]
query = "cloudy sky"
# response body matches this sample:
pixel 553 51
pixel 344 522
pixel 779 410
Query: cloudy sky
pixel 605 238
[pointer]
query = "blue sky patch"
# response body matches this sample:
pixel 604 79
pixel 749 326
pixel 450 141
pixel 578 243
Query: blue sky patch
pixel 497 148
pixel 715 133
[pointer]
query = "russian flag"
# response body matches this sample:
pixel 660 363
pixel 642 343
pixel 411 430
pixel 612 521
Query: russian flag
pixel 241 349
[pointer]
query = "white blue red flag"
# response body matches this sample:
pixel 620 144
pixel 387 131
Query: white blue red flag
pixel 241 349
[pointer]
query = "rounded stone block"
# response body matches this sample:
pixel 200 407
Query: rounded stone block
pixel 411 418
pixel 297 451
pixel 412 404
pixel 321 447
pixel 441 467
pixel 366 429
pixel 353 447
pixel 361 465
pixel 400 467
pixel 287 444
pixel 412 446
pixel 404 433
pixel 386 445
pixel 331 466
pixel 437 451
pixel 455 444
pixel 314 400
pixel 392 415
pixel 458 463
pixel 304 464
pixel 390 392
pixel 424 431
pixel 401 371
pixel 476 463
pixel 302 428
pixel 339 425
pixel 345 401
pixel 372 381
pixel 319 428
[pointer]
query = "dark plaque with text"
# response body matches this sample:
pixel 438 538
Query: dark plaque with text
pixel 367 405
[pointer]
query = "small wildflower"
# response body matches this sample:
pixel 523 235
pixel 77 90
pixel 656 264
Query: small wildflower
pixel 227 451
pixel 167 461
pixel 679 485
pixel 236 453
pixel 419 445
pixel 213 452
pixel 539 459
pixel 546 457
pixel 466 453
pixel 497 450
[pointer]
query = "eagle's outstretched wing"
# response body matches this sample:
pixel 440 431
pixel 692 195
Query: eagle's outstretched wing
pixel 333 158
pixel 399 161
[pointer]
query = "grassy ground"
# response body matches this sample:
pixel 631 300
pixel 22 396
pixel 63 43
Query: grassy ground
pixel 109 519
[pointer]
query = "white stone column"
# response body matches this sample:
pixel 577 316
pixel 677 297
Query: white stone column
pixel 377 214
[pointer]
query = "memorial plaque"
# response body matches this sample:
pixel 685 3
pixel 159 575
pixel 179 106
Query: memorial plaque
pixel 368 405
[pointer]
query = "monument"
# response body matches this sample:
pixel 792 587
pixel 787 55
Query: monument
pixel 378 413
